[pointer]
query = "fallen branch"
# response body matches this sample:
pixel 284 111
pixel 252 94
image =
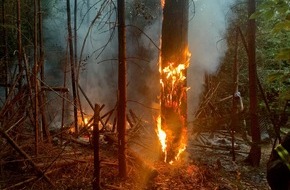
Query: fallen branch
pixel 21 183
pixel 24 154
pixel 27 180
pixel 54 89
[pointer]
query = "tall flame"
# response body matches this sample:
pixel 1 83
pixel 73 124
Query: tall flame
pixel 162 137
pixel 173 90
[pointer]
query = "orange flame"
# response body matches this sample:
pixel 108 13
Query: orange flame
pixel 162 3
pixel 86 121
pixel 175 77
pixel 180 150
pixel 173 90
pixel 162 137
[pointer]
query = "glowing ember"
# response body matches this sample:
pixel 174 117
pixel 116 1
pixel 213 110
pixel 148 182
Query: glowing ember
pixel 86 121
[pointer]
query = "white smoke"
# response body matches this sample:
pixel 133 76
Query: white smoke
pixel 95 26
pixel 99 75
pixel 207 44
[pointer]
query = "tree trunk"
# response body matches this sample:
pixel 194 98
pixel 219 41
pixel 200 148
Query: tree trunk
pixel 96 138
pixel 5 49
pixel 73 78
pixel 174 51
pixel 75 38
pixel 236 98
pixel 42 97
pixel 36 106
pixel 19 41
pixel 122 95
pixel 255 152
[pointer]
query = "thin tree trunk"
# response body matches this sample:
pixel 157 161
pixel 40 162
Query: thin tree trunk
pixel 235 111
pixel 75 37
pixel 255 151
pixel 36 103
pixel 122 95
pixel 19 41
pixel 63 99
pixel 5 49
pixel 96 136
pixel 73 78
pixel 42 98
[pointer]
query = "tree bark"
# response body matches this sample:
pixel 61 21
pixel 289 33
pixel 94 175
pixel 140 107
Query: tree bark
pixel 19 41
pixel 42 97
pixel 36 106
pixel 235 111
pixel 255 151
pixel 174 49
pixel 73 78
pixel 5 49
pixel 122 95
pixel 96 137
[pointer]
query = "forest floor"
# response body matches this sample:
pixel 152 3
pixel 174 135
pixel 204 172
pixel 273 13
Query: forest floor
pixel 204 166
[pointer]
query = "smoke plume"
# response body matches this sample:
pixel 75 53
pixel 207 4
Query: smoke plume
pixel 99 65
pixel 207 44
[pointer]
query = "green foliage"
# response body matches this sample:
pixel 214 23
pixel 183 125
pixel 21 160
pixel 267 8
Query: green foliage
pixel 273 17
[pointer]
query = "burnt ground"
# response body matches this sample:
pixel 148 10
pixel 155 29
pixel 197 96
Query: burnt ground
pixel 207 164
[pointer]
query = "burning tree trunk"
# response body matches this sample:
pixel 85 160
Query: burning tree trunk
pixel 173 66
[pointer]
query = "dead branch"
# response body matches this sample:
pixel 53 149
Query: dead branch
pixel 21 183
pixel 54 89
pixel 24 154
